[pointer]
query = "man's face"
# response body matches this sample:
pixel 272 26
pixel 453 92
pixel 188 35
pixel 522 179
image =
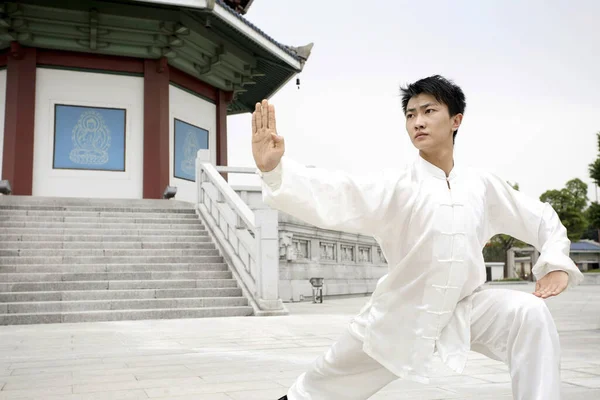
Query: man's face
pixel 429 124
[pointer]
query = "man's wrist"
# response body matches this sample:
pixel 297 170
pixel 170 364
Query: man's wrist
pixel 272 178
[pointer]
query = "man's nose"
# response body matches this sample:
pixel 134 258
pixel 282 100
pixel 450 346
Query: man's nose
pixel 419 121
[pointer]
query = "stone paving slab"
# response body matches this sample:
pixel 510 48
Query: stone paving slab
pixel 241 358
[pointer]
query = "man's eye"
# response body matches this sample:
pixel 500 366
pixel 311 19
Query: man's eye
pixel 409 116
pixel 429 110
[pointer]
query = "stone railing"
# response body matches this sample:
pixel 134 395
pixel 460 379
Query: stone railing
pixel 247 239
pixel 351 264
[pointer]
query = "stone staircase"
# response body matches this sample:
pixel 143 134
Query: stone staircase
pixel 76 260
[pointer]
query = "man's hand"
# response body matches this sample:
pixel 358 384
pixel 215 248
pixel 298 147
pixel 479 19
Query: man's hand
pixel 552 284
pixel 267 146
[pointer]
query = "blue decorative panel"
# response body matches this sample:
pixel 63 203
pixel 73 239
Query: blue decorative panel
pixel 188 140
pixel 89 138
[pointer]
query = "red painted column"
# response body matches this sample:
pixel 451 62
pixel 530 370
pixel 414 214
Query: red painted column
pixel 17 159
pixel 223 98
pixel 156 128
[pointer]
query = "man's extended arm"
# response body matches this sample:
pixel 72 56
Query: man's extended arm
pixel 330 200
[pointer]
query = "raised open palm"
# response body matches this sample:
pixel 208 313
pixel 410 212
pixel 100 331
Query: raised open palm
pixel 267 146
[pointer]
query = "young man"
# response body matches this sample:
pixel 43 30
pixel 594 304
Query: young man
pixel 432 221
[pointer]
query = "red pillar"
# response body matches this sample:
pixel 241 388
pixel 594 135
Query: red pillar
pixel 223 98
pixel 17 159
pixel 156 128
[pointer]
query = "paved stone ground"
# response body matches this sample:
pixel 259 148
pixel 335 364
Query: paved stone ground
pixel 253 358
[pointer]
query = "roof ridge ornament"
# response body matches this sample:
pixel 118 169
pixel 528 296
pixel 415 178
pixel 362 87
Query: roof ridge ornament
pixel 302 51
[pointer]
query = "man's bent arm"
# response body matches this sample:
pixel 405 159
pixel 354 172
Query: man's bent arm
pixel 514 213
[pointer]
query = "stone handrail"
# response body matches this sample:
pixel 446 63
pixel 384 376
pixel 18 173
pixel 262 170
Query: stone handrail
pixel 247 239
pixel 239 170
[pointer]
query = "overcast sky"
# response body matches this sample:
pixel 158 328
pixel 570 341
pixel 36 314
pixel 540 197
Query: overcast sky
pixel 529 70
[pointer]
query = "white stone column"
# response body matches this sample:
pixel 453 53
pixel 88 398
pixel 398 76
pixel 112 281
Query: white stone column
pixel 374 254
pixel 267 241
pixel 315 250
pixel 510 264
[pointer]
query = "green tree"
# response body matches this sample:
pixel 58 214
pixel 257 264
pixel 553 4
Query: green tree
pixel 594 167
pixel 593 212
pixel 569 203
pixel 592 215
pixel 578 189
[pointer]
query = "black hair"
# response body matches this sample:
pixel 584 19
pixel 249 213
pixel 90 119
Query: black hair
pixel 445 91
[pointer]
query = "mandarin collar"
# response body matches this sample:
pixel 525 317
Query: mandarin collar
pixel 427 168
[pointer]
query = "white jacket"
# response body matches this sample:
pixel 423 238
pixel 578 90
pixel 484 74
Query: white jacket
pixel 431 230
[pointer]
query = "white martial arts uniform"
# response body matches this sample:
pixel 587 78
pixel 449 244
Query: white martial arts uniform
pixel 432 230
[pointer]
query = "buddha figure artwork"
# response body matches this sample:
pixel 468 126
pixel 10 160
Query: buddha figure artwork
pixel 188 140
pixel 89 138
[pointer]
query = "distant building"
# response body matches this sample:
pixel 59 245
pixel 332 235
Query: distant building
pixel 586 254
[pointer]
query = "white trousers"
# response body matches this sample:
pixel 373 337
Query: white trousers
pixel 506 325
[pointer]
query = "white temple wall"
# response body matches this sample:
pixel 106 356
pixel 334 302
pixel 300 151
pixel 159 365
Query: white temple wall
pixel 88 135
pixel 193 125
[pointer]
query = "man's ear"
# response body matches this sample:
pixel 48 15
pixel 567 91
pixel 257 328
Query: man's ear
pixel 456 121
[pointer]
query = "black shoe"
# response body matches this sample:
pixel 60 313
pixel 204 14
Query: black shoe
pixel 284 398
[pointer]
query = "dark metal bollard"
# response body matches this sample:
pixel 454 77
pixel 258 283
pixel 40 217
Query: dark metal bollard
pixel 5 188
pixel 317 286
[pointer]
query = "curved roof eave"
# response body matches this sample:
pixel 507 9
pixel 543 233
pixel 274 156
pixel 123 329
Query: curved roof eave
pixel 226 14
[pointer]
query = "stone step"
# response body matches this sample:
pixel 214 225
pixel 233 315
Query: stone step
pixel 76 209
pixel 86 268
pixel 124 219
pixel 110 260
pixel 66 238
pixel 94 214
pixel 75 260
pixel 134 204
pixel 109 286
pixel 134 233
pixel 46 245
pixel 92 227
pixel 227 288
pixel 120 315
pixel 23 277
pixel 42 252
pixel 128 304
